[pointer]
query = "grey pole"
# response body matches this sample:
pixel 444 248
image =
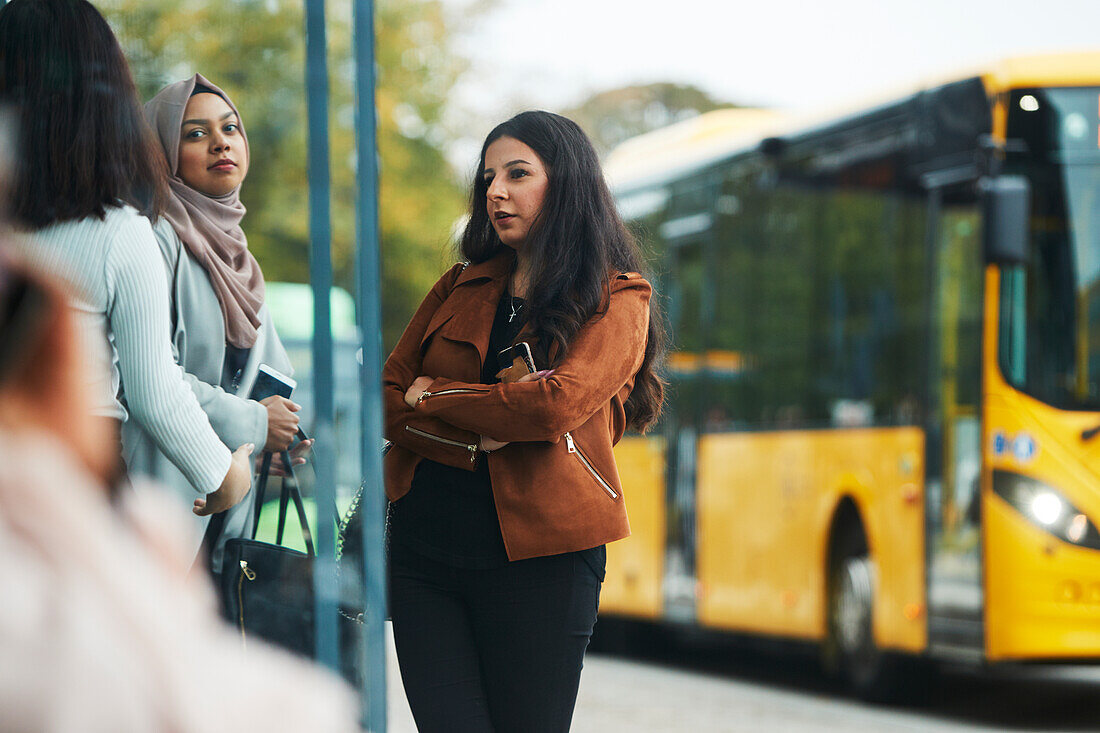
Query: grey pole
pixel 320 276
pixel 372 652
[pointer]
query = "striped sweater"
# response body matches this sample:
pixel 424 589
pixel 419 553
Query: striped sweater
pixel 113 274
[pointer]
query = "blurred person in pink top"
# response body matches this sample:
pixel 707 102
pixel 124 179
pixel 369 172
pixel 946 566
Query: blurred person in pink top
pixel 102 628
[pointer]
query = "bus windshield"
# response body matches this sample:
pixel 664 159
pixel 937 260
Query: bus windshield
pixel 1050 310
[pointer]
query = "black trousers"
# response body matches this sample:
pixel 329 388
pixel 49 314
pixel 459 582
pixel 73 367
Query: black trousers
pixel 496 650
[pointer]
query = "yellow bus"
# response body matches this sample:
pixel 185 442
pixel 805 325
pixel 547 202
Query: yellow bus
pixel 883 434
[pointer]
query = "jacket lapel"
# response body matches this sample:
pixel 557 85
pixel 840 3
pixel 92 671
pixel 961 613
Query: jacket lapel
pixel 468 313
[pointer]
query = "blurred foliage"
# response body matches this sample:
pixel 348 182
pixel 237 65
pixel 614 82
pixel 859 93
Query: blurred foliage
pixel 255 50
pixel 612 116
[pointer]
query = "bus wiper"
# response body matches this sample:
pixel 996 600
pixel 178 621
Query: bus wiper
pixel 1090 433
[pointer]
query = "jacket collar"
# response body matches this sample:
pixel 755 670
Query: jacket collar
pixel 475 296
pixel 497 267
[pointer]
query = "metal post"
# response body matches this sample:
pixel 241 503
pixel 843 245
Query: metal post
pixel 372 650
pixel 320 275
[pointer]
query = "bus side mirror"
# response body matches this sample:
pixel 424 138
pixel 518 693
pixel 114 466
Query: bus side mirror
pixel 1006 213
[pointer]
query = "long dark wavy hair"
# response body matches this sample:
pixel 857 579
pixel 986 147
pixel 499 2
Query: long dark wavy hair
pixel 83 141
pixel 575 247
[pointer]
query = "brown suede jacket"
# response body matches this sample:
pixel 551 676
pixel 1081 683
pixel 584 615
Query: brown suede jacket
pixel 555 484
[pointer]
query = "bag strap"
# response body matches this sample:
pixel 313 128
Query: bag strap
pixel 291 483
pixel 210 537
pixel 284 496
pixel 261 490
pixel 290 492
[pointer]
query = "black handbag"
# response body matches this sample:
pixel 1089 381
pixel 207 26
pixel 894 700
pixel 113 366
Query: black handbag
pixel 267 589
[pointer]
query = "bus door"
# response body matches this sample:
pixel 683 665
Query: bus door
pixel 686 285
pixel 954 442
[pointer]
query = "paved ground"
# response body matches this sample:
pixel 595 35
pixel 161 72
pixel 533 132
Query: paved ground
pixel 712 685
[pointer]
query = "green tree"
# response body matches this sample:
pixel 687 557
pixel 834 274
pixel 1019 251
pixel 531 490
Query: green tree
pixel 615 115
pixel 255 50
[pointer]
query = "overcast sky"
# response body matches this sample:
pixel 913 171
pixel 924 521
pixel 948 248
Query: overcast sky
pixel 793 54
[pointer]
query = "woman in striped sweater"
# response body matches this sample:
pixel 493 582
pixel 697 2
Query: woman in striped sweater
pixel 87 173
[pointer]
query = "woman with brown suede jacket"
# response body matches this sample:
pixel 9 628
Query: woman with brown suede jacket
pixel 503 494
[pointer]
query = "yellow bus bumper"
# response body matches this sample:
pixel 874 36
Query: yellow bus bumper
pixel 1047 592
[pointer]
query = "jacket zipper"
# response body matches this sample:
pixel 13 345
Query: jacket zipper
pixel 461 390
pixel 472 447
pixel 572 448
pixel 246 572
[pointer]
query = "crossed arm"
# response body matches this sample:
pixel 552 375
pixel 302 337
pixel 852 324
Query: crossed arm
pixel 603 357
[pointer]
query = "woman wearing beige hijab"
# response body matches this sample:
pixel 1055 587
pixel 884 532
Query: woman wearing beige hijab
pixel 221 330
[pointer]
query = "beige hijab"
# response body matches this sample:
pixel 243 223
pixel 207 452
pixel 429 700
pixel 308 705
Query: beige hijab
pixel 210 226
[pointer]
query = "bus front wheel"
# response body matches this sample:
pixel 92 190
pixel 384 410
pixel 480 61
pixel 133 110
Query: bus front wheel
pixel 850 648
pixel 859 656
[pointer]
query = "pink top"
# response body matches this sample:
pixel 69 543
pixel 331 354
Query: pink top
pixel 102 629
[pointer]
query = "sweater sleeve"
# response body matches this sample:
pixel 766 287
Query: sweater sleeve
pixel 157 394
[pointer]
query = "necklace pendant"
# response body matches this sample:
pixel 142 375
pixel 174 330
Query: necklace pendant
pixel 511 316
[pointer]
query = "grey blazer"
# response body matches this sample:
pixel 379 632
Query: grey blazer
pixel 198 342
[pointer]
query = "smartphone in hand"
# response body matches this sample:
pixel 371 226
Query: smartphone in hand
pixel 519 360
pixel 271 382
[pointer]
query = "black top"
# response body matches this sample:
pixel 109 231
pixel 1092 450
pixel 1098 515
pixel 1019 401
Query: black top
pixel 236 358
pixel 449 514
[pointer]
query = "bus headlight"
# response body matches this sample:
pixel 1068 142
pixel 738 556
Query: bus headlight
pixel 1046 508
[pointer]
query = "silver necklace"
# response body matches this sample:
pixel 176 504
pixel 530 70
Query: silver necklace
pixel 512 305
